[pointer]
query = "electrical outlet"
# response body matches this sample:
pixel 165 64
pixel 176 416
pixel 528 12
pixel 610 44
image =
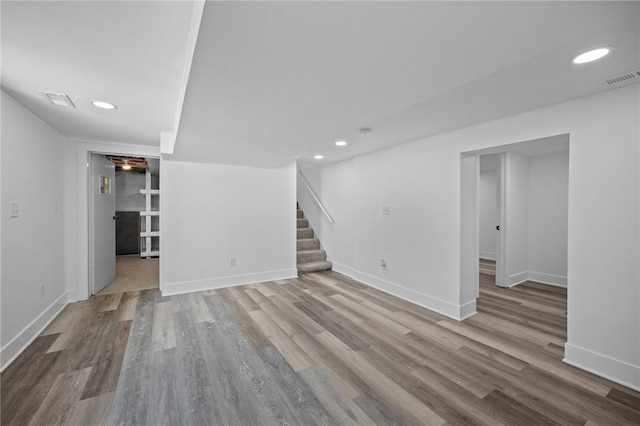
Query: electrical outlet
pixel 232 261
pixel 15 209
pixel 383 264
pixel 386 210
pixel 41 290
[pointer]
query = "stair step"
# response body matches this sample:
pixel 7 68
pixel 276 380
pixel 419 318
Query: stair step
pixel 300 213
pixel 308 244
pixel 303 223
pixel 318 266
pixel 305 233
pixel 305 256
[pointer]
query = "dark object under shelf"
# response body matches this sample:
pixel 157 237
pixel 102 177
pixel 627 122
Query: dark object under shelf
pixel 127 233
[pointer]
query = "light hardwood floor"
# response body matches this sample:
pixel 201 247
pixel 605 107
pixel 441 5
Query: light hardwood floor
pixel 320 349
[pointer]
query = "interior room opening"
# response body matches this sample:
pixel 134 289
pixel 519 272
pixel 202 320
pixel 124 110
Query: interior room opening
pixel 125 253
pixel 514 217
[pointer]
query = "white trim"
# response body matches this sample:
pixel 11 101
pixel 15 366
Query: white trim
pixel 83 150
pixel 539 277
pixel 602 365
pixel 554 280
pixel 457 312
pixel 467 310
pixel 344 270
pixel 501 242
pixel 18 344
pixel 170 289
pixel 487 255
pixel 168 139
pixel 518 278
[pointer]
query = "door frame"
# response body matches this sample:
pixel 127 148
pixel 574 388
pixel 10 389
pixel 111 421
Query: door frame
pixel 466 262
pixel 501 237
pixel 92 189
pixel 78 267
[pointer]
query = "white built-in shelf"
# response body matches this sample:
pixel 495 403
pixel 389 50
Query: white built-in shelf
pixel 149 238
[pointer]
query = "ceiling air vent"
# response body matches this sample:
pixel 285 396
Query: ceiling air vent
pixel 628 77
pixel 59 99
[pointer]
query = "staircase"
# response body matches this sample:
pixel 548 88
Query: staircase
pixel 310 257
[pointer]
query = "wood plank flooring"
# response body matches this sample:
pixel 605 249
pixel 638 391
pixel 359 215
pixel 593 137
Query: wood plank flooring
pixel 320 349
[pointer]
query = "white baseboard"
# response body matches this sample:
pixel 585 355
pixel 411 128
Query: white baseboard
pixel 539 277
pixel 18 344
pixel 518 278
pixel 170 289
pixel 467 310
pixel 555 280
pixel 345 270
pixel 487 255
pixel 457 312
pixel 601 365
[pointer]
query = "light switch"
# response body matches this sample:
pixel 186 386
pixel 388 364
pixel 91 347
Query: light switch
pixel 15 209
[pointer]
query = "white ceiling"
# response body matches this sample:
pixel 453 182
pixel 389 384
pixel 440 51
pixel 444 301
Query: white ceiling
pixel 276 81
pixel 128 53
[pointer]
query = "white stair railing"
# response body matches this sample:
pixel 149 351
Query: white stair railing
pixel 315 198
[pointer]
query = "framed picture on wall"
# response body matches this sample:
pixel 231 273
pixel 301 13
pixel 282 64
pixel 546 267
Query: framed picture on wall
pixel 105 187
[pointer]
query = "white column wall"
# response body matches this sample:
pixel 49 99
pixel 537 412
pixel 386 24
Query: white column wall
pixel 212 213
pixel 516 221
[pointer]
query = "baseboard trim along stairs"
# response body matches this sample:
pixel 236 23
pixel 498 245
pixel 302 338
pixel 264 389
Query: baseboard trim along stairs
pixel 310 255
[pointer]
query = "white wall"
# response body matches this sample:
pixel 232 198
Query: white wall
pixel 542 236
pixel 340 243
pixel 548 218
pixel 516 221
pixel 415 239
pixel 32 244
pixel 420 181
pixel 487 201
pixel 212 213
pixel 128 196
pixel 469 288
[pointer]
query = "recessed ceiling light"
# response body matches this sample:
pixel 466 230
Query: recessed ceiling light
pixel 341 143
pixel 318 157
pixel 590 56
pixel 103 105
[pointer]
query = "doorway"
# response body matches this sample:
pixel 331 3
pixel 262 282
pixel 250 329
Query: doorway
pixel 124 253
pixel 488 219
pixel 528 214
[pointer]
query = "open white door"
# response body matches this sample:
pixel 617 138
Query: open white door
pixel 102 227
pixel 502 220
